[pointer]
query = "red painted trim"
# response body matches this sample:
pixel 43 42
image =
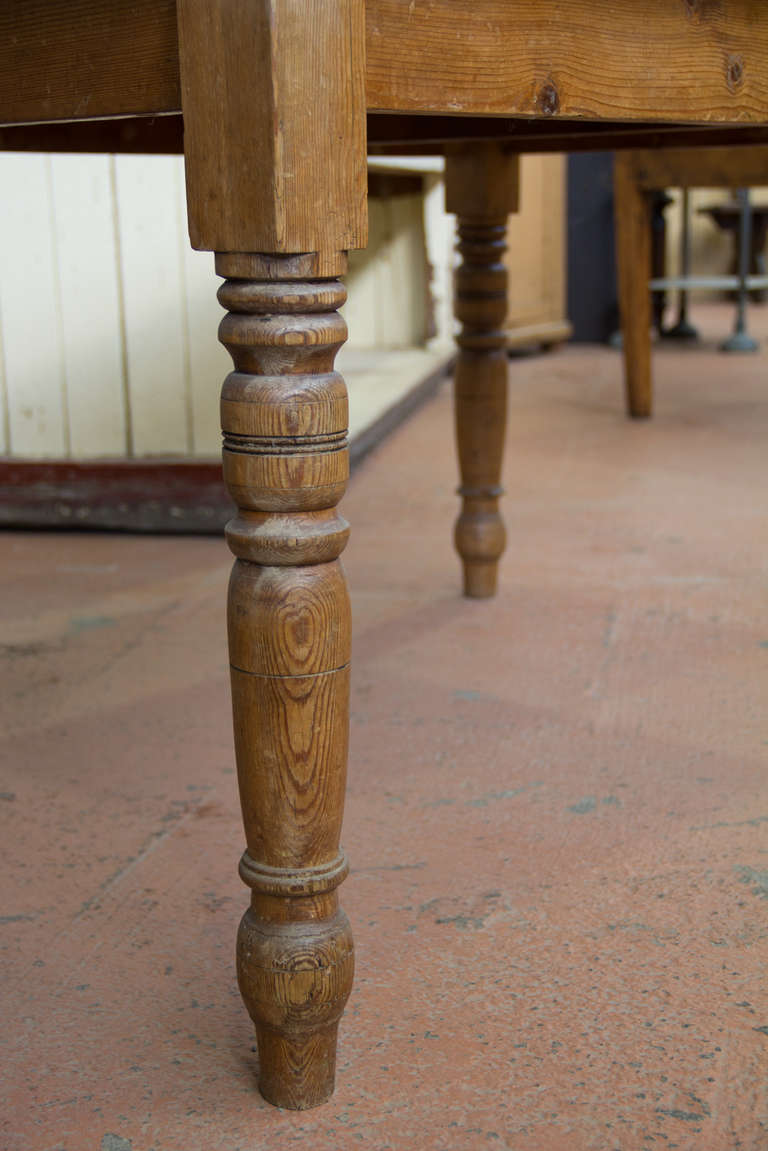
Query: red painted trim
pixel 128 495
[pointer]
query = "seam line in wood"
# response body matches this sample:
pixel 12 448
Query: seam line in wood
pixel 298 675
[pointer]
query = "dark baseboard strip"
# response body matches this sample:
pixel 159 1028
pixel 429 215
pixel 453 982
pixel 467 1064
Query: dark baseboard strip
pixel 158 495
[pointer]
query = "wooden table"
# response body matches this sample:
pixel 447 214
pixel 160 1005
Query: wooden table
pixel 728 218
pixel 637 174
pixel 271 102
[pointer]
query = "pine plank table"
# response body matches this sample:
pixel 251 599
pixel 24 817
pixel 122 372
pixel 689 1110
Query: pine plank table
pixel 272 102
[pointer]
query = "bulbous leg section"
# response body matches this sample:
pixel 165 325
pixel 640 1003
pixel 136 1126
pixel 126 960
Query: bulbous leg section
pixel 295 977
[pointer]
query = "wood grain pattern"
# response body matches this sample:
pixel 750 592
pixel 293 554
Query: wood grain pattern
pixel 690 61
pixel 687 60
pixel 284 416
pixel 72 59
pixel 481 187
pixel 273 94
pixel 633 263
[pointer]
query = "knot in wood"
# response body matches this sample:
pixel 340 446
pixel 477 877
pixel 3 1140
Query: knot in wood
pixel 295 977
pixel 734 72
pixel 549 99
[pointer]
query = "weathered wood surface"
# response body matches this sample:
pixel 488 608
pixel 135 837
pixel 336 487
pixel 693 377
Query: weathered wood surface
pixel 691 60
pixel 481 187
pixel 284 417
pixel 274 124
pixel 78 59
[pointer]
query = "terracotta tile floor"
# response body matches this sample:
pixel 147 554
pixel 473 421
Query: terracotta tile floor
pixel 557 814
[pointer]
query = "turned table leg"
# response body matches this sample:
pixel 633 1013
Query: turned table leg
pixel 284 418
pixel 273 95
pixel 481 188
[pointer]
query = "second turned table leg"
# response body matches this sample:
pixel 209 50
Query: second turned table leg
pixel 481 188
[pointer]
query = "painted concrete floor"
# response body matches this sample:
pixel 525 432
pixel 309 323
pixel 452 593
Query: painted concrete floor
pixel 557 813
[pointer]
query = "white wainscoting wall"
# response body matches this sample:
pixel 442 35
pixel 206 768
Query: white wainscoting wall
pixel 108 318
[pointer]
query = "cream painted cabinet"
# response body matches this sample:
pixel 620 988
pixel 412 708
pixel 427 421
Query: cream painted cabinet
pixel 536 254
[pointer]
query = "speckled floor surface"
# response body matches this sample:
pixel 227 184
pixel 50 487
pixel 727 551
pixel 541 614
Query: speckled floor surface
pixel 557 813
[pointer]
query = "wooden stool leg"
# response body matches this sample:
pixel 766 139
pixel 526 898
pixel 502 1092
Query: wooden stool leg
pixel 633 259
pixel 284 417
pixel 481 187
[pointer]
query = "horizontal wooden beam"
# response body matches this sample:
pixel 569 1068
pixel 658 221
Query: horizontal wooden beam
pixel 80 59
pixel 588 60
pixel 709 168
pixel 689 60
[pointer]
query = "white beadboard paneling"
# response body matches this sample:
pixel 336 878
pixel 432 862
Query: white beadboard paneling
pixel 440 234
pixel 386 281
pixel 208 360
pixel 407 294
pixel 83 209
pixel 108 319
pixel 29 309
pixel 149 226
pixel 361 281
pixel 385 312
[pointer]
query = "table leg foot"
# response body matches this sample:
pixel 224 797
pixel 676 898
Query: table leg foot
pixel 284 415
pixel 295 978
